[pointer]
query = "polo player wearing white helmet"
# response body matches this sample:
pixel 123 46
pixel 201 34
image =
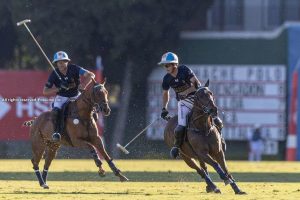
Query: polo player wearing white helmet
pixel 184 82
pixel 66 88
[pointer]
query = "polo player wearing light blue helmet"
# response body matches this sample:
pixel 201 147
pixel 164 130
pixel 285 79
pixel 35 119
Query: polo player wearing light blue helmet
pixel 184 82
pixel 66 88
pixel 60 55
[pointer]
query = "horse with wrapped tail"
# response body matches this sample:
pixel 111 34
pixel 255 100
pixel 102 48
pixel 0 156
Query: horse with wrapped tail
pixel 80 130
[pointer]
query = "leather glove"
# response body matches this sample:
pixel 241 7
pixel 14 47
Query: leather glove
pixel 164 113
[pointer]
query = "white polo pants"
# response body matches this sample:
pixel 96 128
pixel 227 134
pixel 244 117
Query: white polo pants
pixel 60 100
pixel 184 108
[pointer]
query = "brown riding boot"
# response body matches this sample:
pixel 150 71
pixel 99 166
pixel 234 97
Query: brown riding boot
pixel 178 136
pixel 56 122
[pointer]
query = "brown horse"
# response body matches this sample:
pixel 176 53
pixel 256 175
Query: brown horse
pixel 203 141
pixel 80 130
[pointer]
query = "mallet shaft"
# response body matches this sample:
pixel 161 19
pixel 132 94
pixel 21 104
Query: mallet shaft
pixel 26 21
pixel 140 133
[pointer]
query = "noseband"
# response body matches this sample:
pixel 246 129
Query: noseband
pixel 98 106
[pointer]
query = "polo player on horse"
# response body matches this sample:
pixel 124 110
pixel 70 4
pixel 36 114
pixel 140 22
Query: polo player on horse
pixel 66 88
pixel 80 128
pixel 184 82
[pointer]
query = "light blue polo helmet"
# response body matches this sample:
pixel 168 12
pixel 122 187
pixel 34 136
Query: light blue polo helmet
pixel 60 55
pixel 168 57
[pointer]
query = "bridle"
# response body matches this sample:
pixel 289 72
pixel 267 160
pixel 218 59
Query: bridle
pixel 97 106
pixel 204 108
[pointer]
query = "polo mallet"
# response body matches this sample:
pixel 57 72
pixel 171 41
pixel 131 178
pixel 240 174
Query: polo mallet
pixel 23 22
pixel 123 148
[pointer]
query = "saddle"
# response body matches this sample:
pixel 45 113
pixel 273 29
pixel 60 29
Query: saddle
pixel 67 112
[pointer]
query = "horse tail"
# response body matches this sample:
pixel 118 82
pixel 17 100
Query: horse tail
pixel 28 123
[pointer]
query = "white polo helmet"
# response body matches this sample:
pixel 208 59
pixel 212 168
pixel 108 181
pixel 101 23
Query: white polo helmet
pixel 60 55
pixel 168 57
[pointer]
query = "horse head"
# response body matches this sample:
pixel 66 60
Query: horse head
pixel 204 101
pixel 99 97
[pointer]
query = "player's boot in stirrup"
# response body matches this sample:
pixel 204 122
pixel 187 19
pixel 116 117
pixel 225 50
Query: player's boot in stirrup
pixel 178 136
pixel 56 135
pixel 174 153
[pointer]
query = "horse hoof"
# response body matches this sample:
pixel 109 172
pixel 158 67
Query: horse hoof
pixel 122 177
pixel 210 189
pixel 101 172
pixel 45 186
pixel 240 192
pixel 217 191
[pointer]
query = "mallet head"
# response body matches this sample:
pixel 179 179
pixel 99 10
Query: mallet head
pixel 23 22
pixel 122 148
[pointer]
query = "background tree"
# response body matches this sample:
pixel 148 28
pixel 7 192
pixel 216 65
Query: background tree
pixel 130 35
pixel 7 34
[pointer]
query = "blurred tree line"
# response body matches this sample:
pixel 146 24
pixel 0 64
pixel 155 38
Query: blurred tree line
pixel 129 35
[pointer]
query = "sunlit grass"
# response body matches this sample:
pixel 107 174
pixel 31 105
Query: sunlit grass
pixel 151 179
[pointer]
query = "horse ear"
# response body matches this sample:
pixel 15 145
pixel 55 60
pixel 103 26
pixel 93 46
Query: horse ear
pixel 207 83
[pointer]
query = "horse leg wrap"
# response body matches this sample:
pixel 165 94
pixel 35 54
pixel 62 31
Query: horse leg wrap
pixel 209 182
pixel 113 167
pixel 96 158
pixel 45 174
pixel 235 188
pixel 39 176
pixel 221 173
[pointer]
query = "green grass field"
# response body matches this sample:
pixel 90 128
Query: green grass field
pixel 149 179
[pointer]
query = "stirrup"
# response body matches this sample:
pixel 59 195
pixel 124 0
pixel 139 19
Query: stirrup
pixel 56 137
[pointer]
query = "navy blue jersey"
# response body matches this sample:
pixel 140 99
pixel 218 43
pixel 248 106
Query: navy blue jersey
pixel 72 77
pixel 181 83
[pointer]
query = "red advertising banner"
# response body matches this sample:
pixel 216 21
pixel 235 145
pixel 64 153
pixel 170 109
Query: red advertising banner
pixel 21 99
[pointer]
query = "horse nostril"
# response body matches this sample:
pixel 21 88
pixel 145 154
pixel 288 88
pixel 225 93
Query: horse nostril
pixel 214 111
